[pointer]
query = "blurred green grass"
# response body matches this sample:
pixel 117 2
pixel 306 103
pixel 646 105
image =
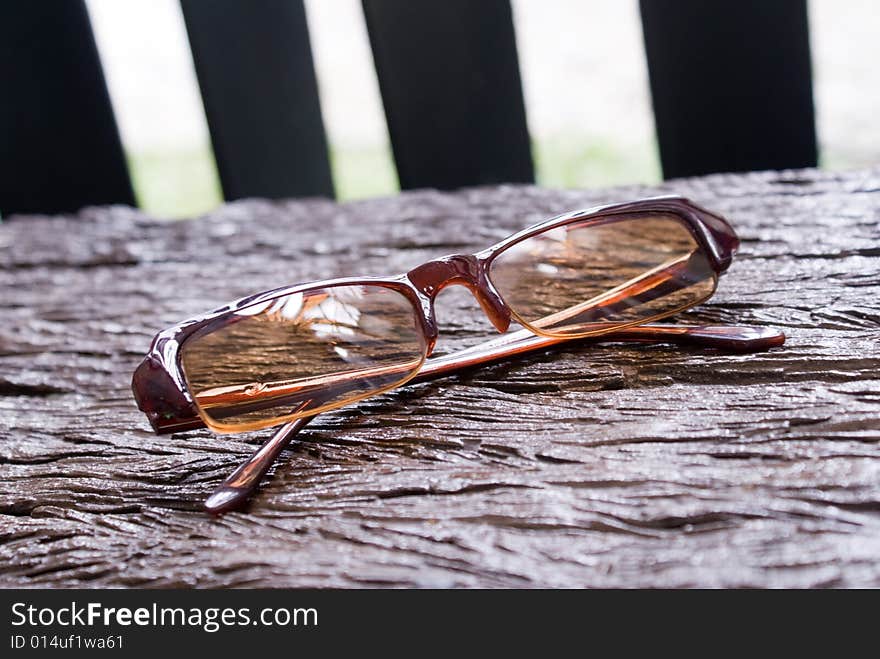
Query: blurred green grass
pixel 593 162
pixel 185 183
pixel 175 184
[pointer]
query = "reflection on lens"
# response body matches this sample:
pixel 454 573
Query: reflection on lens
pixel 300 353
pixel 583 278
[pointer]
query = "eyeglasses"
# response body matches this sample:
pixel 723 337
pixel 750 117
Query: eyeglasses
pixel 286 355
pixel 301 350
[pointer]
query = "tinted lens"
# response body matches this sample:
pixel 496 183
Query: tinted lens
pixel 584 278
pixel 302 353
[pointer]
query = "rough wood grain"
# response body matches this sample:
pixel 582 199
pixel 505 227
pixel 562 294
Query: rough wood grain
pixel 591 466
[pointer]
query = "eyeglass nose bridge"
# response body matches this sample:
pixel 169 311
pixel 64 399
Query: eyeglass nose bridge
pixel 463 270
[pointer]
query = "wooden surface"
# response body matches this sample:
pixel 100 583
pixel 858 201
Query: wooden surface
pixel 590 466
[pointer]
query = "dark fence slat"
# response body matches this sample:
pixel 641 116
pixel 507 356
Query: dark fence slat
pixel 450 83
pixel 731 84
pixel 59 145
pixel 257 78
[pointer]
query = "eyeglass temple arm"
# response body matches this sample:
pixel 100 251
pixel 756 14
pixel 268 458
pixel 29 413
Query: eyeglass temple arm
pixel 234 492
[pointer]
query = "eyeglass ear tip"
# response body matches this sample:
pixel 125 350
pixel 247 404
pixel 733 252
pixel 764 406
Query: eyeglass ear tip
pixel 225 499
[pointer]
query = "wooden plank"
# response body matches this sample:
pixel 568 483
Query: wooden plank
pixel 731 84
pixel 255 70
pixel 58 138
pixel 450 83
pixel 613 465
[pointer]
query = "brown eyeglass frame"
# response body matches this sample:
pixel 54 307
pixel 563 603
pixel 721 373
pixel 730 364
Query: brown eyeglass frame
pixel 159 385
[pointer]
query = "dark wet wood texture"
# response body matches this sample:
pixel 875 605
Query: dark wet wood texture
pixel 591 466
